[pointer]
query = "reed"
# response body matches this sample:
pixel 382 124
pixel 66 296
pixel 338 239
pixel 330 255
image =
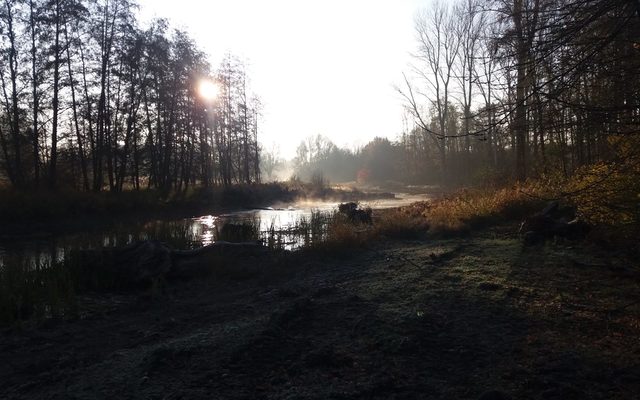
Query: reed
pixel 243 231
pixel 43 290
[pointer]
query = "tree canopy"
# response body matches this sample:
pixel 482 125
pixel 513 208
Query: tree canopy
pixel 93 101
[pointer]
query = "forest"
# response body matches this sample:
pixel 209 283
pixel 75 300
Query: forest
pixel 92 101
pixel 153 247
pixel 505 91
pixel 497 92
pixel 530 87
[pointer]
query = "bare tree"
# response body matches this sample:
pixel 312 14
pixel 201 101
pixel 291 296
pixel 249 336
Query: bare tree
pixel 11 93
pixel 438 48
pixel 471 21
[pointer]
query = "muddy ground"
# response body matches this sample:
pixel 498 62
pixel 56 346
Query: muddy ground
pixel 428 319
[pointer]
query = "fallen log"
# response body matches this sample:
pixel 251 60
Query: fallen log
pixel 543 225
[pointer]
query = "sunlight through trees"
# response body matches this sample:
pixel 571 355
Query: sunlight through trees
pixel 93 101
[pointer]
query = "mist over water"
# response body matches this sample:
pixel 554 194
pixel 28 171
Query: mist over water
pixel 43 248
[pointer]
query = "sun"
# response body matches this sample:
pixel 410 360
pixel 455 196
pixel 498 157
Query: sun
pixel 208 90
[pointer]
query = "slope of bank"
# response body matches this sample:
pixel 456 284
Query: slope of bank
pixel 441 319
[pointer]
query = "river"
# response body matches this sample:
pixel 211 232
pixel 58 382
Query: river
pixel 42 247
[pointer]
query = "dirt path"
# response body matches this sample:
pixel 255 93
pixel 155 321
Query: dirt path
pixel 445 319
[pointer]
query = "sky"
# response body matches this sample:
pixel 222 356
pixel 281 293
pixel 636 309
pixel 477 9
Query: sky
pixel 319 66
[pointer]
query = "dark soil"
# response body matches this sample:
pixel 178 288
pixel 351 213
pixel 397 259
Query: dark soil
pixel 479 317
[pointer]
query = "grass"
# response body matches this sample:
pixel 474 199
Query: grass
pixel 327 231
pixel 245 231
pixel 50 290
pixel 40 291
pixel 469 209
pixel 333 233
pixel 305 232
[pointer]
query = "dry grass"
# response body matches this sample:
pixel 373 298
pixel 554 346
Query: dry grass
pixel 343 235
pixel 244 231
pixel 455 214
pixel 473 208
pixel 399 223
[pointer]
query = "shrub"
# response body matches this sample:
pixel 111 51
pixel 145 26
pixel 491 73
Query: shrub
pixel 608 193
pixel 473 208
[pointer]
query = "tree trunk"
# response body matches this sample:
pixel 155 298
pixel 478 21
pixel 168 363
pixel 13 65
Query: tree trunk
pixel 53 160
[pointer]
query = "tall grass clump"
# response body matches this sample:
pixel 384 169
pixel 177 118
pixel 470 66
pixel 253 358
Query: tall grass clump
pixel 307 231
pixel 335 233
pixel 312 229
pixel 237 232
pixel 320 230
pixel 342 233
pixel 36 291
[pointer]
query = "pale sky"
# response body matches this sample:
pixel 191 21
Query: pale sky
pixel 320 67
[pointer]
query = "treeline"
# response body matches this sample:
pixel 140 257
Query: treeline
pixel 91 100
pixel 504 90
pixel 317 157
pixel 510 89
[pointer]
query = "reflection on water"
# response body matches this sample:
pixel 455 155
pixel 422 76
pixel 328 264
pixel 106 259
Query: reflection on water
pixel 43 249
pixel 204 228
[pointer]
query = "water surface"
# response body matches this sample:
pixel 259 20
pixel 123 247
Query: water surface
pixel 41 248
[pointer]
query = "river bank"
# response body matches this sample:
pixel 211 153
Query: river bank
pixel 22 213
pixel 423 318
pixel 41 227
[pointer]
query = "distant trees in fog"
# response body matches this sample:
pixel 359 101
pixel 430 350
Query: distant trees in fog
pixel 91 100
pixel 379 160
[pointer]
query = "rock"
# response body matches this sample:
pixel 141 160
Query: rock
pixel 351 211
